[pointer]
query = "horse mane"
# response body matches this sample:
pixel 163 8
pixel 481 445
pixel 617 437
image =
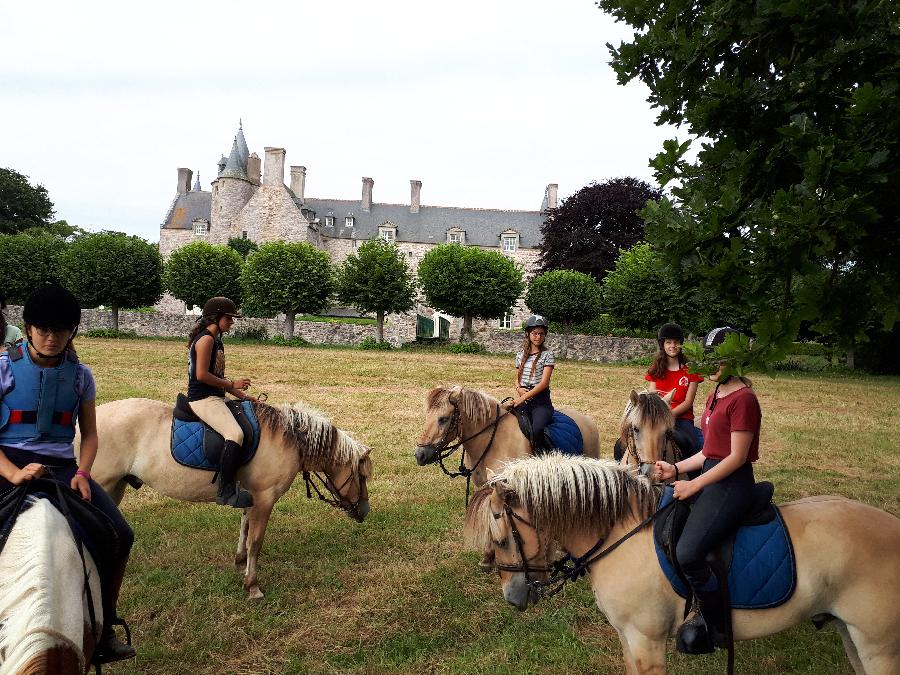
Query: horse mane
pixel 650 410
pixel 564 495
pixel 315 438
pixel 477 406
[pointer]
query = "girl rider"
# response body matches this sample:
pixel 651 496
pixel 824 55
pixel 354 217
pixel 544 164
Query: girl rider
pixel 669 372
pixel 721 495
pixel 206 392
pixel 33 435
pixel 534 366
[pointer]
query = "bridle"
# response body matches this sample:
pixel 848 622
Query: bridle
pixel 444 448
pixel 336 499
pixel 670 449
pixel 525 564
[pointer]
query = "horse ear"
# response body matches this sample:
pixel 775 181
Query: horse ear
pixel 455 394
pixel 635 399
pixel 667 399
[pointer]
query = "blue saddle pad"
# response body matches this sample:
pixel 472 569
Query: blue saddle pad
pixel 188 439
pixel 565 434
pixel 763 570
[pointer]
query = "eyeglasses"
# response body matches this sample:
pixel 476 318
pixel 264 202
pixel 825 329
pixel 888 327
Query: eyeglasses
pixel 47 332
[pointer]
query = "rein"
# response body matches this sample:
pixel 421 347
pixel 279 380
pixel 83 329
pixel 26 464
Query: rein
pixel 336 499
pixel 524 566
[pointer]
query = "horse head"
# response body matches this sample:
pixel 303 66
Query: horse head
pixel 646 429
pixel 442 423
pixel 347 483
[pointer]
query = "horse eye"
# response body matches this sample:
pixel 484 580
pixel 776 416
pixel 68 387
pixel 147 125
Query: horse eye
pixel 443 420
pixel 636 430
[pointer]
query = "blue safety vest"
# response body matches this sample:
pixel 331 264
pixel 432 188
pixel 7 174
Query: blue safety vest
pixel 43 404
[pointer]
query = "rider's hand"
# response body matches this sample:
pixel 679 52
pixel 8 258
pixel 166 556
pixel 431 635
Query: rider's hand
pixel 684 489
pixel 521 391
pixel 242 384
pixel 664 471
pixel 81 485
pixel 26 473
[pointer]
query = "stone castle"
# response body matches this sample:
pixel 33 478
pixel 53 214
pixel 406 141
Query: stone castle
pixel 251 201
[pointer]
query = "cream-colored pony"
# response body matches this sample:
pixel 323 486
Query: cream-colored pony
pixel 646 428
pixel 135 449
pixel 847 557
pixel 45 624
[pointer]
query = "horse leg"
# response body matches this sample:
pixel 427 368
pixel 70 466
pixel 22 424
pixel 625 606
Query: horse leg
pixel 240 556
pixel 643 655
pixel 866 657
pixel 258 517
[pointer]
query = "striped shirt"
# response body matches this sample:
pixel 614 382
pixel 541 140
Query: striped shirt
pixel 544 360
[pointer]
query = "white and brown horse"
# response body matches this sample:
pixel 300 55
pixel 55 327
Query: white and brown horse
pixel 45 623
pixel 846 556
pixel 646 431
pixel 135 437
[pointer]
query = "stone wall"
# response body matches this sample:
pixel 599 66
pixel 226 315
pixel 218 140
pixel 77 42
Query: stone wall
pixel 398 329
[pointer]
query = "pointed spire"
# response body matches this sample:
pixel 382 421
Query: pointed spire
pixel 242 144
pixel 221 164
pixel 234 168
pixel 197 187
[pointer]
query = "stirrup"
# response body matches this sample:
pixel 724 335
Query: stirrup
pixel 231 495
pixel 110 649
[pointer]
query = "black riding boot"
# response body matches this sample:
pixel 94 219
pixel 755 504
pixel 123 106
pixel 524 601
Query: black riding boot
pixel 229 493
pixel 705 627
pixel 110 648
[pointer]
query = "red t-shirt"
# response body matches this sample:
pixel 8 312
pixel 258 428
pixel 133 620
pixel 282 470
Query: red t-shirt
pixel 739 411
pixel 677 380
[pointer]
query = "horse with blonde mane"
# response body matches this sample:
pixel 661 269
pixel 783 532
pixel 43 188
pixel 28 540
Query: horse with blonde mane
pixel 846 558
pixel 647 432
pixel 135 434
pixel 45 622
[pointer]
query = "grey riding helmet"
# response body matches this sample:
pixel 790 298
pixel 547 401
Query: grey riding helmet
pixel 536 321
pixel 716 336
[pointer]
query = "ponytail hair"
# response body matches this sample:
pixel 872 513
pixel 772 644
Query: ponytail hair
pixel 202 324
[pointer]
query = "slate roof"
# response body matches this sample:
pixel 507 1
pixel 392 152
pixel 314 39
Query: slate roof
pixel 237 165
pixel 429 226
pixel 188 207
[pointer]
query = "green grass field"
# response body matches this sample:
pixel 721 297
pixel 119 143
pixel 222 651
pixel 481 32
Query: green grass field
pixel 398 593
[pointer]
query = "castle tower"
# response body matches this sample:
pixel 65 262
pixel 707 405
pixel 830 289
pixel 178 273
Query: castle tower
pixel 232 189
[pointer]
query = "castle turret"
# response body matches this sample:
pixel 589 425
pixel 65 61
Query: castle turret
pixel 197 187
pixel 231 191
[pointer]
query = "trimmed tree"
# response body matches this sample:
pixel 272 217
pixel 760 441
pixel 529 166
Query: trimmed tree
pixel 199 271
pixel 114 269
pixel 589 228
pixel 564 296
pixel 294 278
pixel 377 279
pixel 28 262
pixel 22 205
pixel 469 282
pixel 243 246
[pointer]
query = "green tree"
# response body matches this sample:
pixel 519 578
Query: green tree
pixel 564 296
pixel 469 282
pixel 113 269
pixel 199 271
pixel 28 262
pixel 795 184
pixel 377 279
pixel 243 246
pixel 22 205
pixel 294 278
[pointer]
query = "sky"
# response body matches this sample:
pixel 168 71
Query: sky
pixel 484 102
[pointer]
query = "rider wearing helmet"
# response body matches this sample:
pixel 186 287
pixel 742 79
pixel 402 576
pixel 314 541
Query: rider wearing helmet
pixel 534 366
pixel 44 390
pixel 669 373
pixel 207 385
pixel 721 495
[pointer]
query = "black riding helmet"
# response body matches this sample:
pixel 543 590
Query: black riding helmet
pixel 52 307
pixel 536 321
pixel 670 331
pixel 716 336
pixel 220 306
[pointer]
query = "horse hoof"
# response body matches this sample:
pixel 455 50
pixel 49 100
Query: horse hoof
pixel 254 593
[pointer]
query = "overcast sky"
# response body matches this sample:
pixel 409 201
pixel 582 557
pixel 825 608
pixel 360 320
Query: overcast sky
pixel 485 102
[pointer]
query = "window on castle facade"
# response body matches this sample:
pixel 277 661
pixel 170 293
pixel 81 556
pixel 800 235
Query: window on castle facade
pixel 329 221
pixel 506 321
pixel 201 229
pixel 510 243
pixel 455 238
pixel 348 221
pixel 389 234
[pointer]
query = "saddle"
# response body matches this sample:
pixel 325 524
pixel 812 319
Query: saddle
pixel 198 446
pixel 561 434
pixel 755 566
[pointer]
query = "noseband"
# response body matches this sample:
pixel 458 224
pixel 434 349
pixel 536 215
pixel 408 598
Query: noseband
pixel 524 566
pixel 336 499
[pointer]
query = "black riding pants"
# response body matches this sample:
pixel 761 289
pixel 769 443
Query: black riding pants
pixel 716 513
pixel 539 409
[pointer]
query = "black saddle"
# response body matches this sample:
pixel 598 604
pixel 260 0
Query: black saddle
pixel 542 445
pixel 213 442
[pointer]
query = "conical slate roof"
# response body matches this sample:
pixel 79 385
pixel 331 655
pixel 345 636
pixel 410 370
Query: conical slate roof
pixel 242 145
pixel 235 167
pixel 221 164
pixel 197 187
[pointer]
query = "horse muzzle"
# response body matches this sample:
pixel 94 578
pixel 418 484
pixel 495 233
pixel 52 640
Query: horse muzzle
pixel 360 511
pixel 517 592
pixel 426 454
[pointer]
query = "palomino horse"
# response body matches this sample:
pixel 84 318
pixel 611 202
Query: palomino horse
pixel 46 624
pixel 646 431
pixel 135 434
pixel 846 556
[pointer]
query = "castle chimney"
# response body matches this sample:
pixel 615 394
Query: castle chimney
pixel 298 181
pixel 415 194
pixel 273 172
pixel 184 180
pixel 367 184
pixel 253 168
pixel 552 190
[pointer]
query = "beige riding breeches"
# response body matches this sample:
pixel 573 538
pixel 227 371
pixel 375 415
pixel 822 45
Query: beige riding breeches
pixel 216 414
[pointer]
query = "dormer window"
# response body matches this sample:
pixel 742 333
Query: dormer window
pixel 348 221
pixel 456 235
pixel 329 220
pixel 509 241
pixel 387 232
pixel 201 228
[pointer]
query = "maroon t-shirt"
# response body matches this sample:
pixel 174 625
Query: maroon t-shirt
pixel 739 411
